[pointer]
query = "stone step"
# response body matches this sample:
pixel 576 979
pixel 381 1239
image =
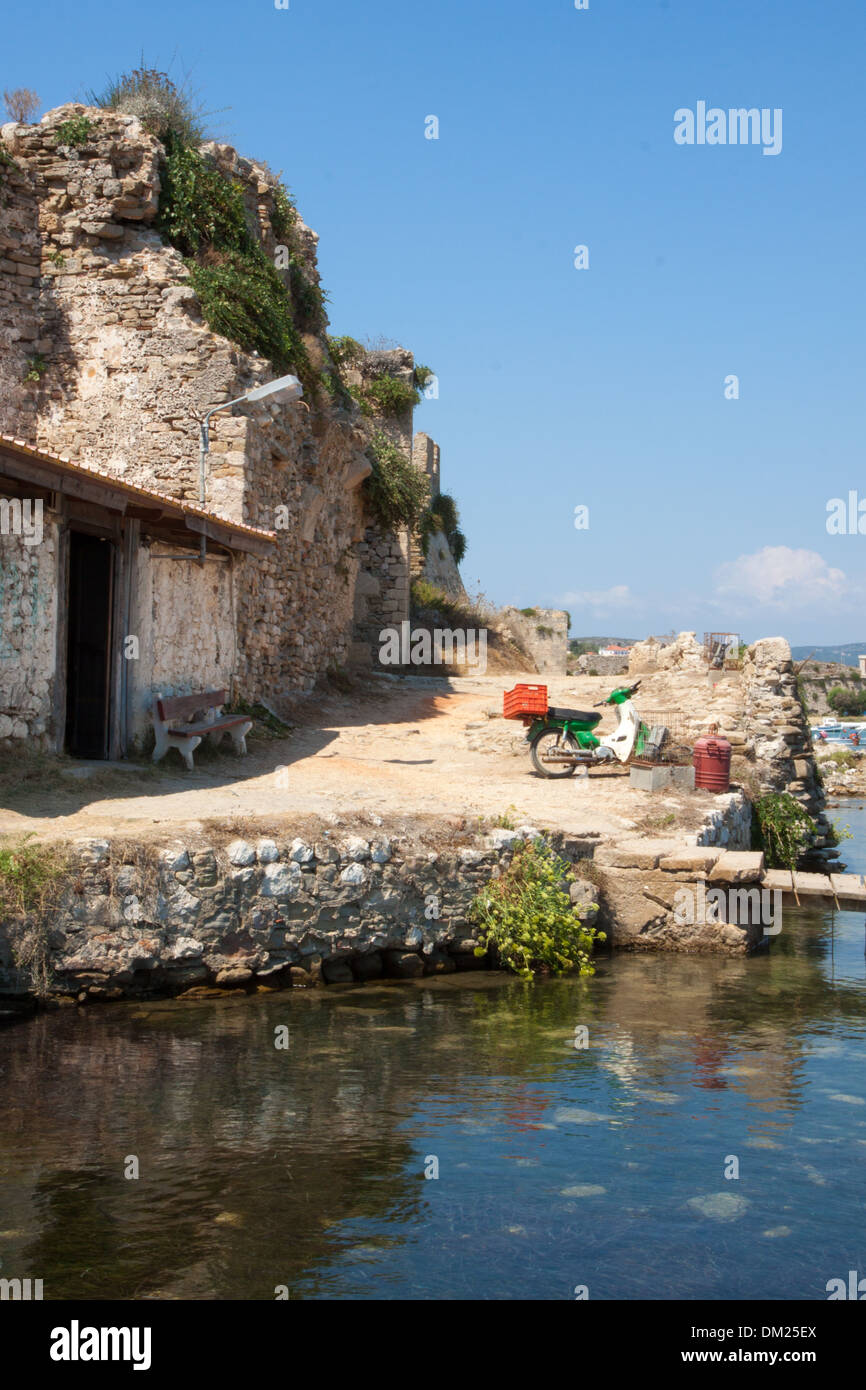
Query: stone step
pixel 849 886
pixel 777 878
pixel 738 866
pixel 813 885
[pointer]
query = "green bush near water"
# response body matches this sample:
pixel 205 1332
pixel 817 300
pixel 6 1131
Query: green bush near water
pixel 782 829
pixel 526 917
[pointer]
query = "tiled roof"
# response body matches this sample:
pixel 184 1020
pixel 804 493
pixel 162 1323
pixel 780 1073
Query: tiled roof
pixel 85 470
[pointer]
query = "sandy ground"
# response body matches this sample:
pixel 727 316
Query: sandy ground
pixel 412 747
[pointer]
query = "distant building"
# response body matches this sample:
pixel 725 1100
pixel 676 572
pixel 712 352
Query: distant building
pixel 862 663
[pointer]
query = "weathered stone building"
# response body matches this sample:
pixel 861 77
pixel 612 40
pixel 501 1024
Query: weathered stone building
pixel 106 366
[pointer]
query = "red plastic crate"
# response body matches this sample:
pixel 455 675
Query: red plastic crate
pixel 524 700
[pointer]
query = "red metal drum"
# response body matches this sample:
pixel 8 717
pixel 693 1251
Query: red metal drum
pixel 712 761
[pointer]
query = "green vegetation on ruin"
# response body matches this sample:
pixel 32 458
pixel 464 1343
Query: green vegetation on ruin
pixel 782 829
pixel 527 920
pixel 74 132
pixel 395 492
pixel 163 107
pixel 203 214
pixel 442 516
pixel 385 396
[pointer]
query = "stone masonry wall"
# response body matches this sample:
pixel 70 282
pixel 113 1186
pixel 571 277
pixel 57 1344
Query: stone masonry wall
pixel 328 907
pixel 543 636
pixel 383 557
pixel 127 362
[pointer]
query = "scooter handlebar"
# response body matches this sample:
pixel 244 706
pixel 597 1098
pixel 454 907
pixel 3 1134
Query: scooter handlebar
pixel 631 690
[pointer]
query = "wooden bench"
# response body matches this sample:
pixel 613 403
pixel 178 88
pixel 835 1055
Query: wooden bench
pixel 187 736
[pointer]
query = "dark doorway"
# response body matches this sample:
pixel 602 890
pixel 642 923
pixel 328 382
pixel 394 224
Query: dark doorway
pixel 87 663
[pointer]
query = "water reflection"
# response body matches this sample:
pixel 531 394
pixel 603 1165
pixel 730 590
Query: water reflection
pixel 557 1165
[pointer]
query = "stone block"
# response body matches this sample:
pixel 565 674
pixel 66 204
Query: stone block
pixel 635 854
pixel 738 866
pixel 649 779
pixel 403 965
pixel 697 860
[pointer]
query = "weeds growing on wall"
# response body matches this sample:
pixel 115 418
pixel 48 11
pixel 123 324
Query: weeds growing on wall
pixel 527 919
pixel 163 107
pixel 782 829
pixel 345 351
pixel 36 367
pixel 385 396
pixel 31 879
pixel 202 213
pixel 442 516
pixel 6 163
pixel 395 492
pixel 74 132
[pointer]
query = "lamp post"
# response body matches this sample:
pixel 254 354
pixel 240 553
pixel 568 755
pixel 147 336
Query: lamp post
pixel 291 390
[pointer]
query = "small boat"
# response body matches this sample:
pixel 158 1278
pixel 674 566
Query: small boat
pixel 833 731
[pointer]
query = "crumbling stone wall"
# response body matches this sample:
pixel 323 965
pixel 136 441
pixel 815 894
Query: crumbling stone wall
pixel 775 720
pixel 601 665
pixel 383 582
pixel 326 907
pixel 129 362
pixel 438 566
pixel 543 636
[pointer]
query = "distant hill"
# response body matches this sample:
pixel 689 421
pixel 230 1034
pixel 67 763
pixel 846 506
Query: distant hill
pixel 596 642
pixel 846 655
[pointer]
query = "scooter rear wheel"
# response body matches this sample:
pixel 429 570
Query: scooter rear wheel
pixel 548 742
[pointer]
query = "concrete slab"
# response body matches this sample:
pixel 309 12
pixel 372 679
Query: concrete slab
pixel 849 886
pixel 813 885
pixel 738 866
pixel 777 879
pixel 697 859
pixel 635 854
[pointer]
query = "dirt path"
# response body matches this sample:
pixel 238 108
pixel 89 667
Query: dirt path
pixel 395 747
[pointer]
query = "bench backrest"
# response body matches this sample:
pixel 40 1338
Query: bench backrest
pixel 183 706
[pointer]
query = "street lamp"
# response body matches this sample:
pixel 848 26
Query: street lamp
pixel 288 387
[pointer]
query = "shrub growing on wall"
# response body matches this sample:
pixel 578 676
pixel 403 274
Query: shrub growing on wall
pixel 527 917
pixel 782 829
pixel 386 396
pixel 395 491
pixel 442 515
pixel 202 213
pixel 162 107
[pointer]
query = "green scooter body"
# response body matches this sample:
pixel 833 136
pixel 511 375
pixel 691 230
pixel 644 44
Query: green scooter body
pixel 580 729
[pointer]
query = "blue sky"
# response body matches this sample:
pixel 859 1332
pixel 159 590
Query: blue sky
pixel 560 387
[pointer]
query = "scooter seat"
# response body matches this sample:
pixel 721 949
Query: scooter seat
pixel 586 716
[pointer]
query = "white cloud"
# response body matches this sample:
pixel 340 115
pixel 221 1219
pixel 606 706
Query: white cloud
pixel 600 600
pixel 780 577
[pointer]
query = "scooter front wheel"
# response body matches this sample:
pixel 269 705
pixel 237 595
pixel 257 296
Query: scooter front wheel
pixel 548 744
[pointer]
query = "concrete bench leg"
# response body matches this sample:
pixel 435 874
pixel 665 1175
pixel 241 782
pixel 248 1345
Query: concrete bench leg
pixel 186 747
pixel 161 747
pixel 239 738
